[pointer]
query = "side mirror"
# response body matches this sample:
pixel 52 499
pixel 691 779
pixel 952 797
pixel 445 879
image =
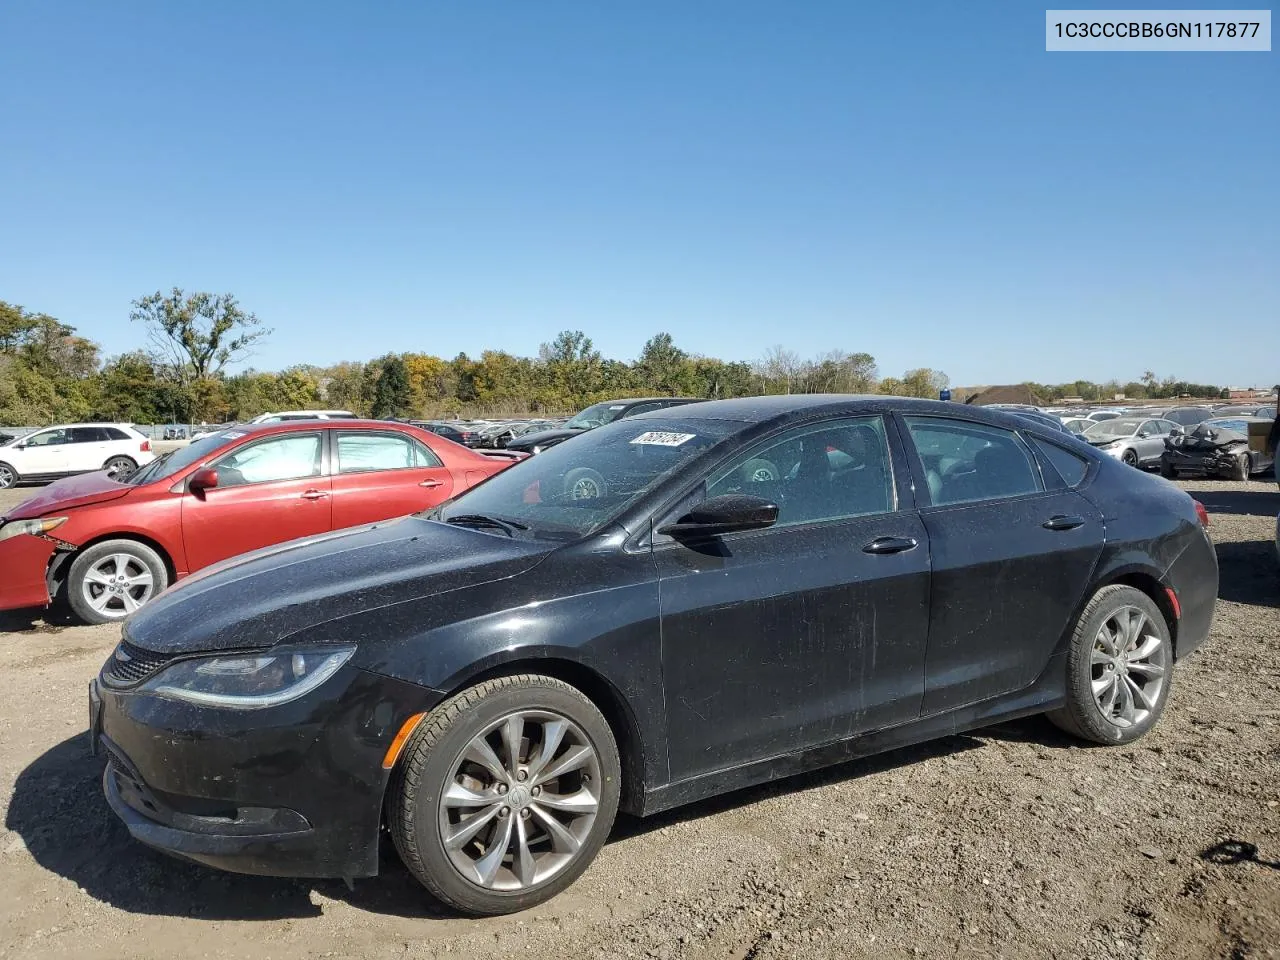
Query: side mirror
pixel 728 514
pixel 1177 432
pixel 206 478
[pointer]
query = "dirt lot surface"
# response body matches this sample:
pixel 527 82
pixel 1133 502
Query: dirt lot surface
pixel 1011 842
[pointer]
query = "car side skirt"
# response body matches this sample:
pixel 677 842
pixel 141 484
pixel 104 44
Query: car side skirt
pixel 1046 694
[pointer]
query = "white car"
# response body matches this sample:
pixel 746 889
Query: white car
pixel 304 415
pixel 74 448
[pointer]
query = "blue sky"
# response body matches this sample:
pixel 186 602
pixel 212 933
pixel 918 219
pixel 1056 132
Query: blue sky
pixel 920 181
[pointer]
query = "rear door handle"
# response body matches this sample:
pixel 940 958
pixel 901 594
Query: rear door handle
pixel 431 483
pixel 1061 522
pixel 883 545
pixel 314 495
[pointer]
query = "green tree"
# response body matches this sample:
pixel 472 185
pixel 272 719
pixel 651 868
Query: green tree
pixel 391 392
pixel 194 336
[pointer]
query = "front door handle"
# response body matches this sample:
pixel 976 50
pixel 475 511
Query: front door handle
pixel 314 495
pixel 431 483
pixel 882 545
pixel 1062 522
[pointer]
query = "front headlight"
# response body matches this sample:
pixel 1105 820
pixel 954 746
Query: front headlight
pixel 16 528
pixel 250 681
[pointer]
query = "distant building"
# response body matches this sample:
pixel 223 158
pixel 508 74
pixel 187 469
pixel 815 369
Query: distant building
pixel 1249 393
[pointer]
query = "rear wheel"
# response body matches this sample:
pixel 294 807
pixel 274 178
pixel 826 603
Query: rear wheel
pixel 505 794
pixel 1119 667
pixel 119 468
pixel 1130 457
pixel 112 579
pixel 8 476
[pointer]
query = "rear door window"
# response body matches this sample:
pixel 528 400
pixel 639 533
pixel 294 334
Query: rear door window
pixel 968 462
pixel 381 450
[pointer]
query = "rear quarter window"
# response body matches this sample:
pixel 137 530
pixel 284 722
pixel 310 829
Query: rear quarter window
pixel 1071 467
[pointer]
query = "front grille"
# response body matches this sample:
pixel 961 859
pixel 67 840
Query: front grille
pixel 130 665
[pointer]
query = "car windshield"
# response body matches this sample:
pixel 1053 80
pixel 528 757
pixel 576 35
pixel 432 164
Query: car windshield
pixel 1227 423
pixel 596 416
pixel 1113 428
pixel 576 488
pixel 183 457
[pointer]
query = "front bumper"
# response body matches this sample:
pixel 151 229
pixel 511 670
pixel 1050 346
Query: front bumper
pixel 25 561
pixel 289 791
pixel 1208 463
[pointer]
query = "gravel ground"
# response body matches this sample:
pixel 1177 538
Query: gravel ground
pixel 1010 842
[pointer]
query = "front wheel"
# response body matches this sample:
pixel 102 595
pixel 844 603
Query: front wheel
pixel 1130 457
pixel 584 483
pixel 8 476
pixel 1119 668
pixel 505 794
pixel 112 579
pixel 1167 471
pixel 1240 467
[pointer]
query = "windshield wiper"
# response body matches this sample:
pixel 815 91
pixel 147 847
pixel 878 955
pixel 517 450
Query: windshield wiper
pixel 509 527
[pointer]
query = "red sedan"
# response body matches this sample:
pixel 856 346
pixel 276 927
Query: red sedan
pixel 113 546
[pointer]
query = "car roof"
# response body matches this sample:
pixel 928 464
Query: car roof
pixel 801 406
pixel 294 426
pixel 87 423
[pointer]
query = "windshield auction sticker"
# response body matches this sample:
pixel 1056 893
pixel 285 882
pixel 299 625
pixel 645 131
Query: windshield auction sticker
pixel 659 439
pixel 1153 31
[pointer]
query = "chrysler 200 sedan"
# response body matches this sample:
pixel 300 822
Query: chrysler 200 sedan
pixel 752 588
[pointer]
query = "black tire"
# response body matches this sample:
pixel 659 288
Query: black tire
pixel 86 560
pixel 1081 715
pixel 1240 467
pixel 428 762
pixel 759 470
pixel 1167 471
pixel 583 483
pixel 8 476
pixel 1130 458
pixel 119 468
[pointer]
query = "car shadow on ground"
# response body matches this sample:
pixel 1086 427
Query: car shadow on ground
pixel 1244 503
pixel 51 619
pixel 1248 572
pixel 58 810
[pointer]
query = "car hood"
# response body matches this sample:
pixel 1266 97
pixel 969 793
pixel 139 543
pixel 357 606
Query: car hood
pixel 262 598
pixel 531 440
pixel 70 493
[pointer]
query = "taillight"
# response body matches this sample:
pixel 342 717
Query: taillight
pixel 145 447
pixel 1202 513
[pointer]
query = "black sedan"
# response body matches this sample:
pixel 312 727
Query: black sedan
pixel 594 416
pixel 744 589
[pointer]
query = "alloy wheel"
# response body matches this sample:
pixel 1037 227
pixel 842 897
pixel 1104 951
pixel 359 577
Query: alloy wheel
pixel 7 477
pixel 117 585
pixel 1129 663
pixel 521 801
pixel 119 468
pixel 585 488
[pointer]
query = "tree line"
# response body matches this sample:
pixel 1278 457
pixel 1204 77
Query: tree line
pixel 50 373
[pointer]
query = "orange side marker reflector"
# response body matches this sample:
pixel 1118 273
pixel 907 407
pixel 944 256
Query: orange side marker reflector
pixel 1173 601
pixel 406 731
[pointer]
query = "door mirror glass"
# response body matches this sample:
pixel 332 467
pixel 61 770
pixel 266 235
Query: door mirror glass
pixel 726 514
pixel 206 478
pixel 1176 431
